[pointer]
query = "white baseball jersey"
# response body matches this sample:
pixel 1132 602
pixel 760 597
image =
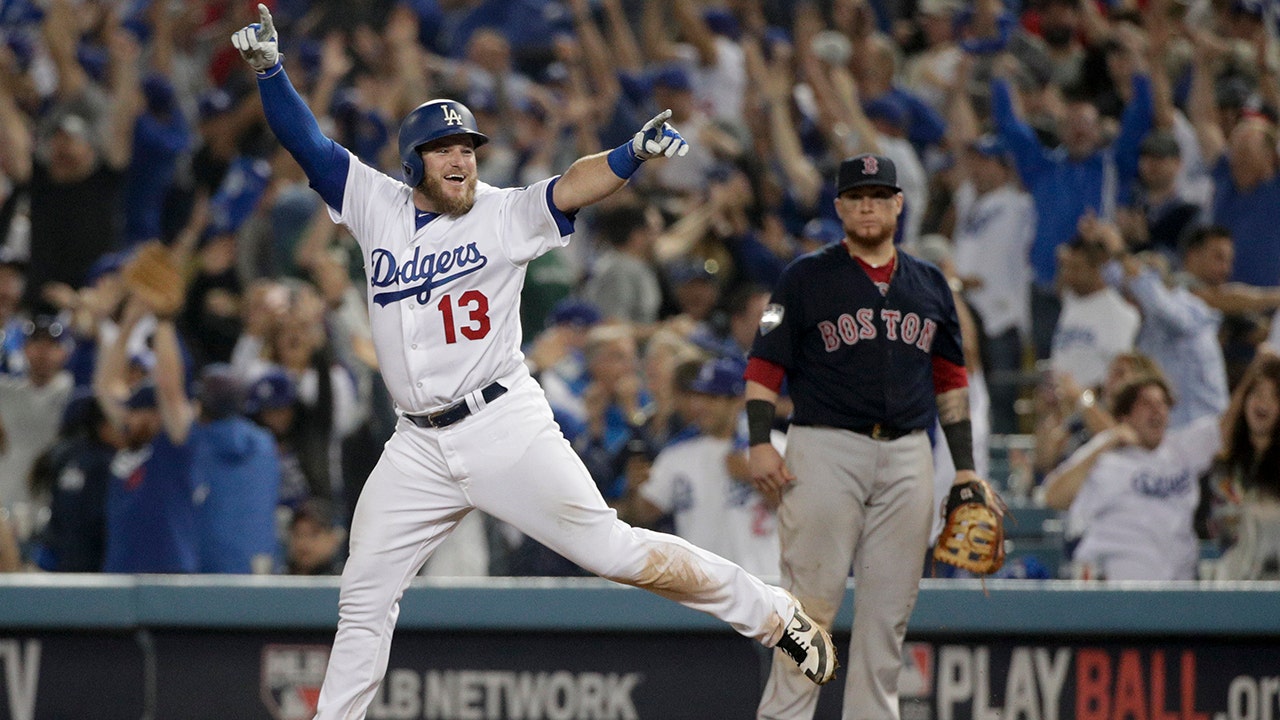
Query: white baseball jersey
pixel 452 286
pixel 1092 330
pixel 1134 512
pixel 993 238
pixel 711 509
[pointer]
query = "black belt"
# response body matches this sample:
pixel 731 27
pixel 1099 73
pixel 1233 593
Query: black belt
pixel 457 411
pixel 880 431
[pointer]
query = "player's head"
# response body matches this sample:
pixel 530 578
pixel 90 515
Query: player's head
pixel 437 148
pixel 71 149
pixel 142 417
pixel 221 393
pixel 868 199
pixel 1080 264
pixel 315 537
pixel 990 164
pixel 46 349
pixel 1259 415
pixel 719 382
pixel 270 401
pixel 1143 403
pixel 1208 254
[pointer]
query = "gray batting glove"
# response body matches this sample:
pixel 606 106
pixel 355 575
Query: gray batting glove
pixel 258 43
pixel 658 137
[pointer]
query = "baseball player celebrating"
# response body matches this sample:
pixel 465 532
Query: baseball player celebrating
pixel 869 342
pixel 445 257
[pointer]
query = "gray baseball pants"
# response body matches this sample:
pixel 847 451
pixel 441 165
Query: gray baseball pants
pixel 867 504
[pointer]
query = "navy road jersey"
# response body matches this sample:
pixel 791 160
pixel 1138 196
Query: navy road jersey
pixel 854 357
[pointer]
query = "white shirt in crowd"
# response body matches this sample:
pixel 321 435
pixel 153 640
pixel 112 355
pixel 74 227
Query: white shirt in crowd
pixel 1092 330
pixel 711 509
pixel 1134 513
pixel 992 240
pixel 914 182
pixel 30 417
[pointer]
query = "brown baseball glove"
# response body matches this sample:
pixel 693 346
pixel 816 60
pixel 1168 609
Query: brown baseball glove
pixel 973 532
pixel 155 278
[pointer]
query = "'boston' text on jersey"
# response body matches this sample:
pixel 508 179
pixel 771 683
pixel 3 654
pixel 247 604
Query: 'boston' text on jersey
pixel 909 329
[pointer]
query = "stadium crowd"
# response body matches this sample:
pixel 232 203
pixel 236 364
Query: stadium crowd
pixel 1093 177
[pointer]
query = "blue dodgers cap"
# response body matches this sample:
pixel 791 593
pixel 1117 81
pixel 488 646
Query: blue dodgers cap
pixel 143 398
pixel 822 230
pixel 574 311
pixel 721 377
pixel 672 77
pixel 990 146
pixel 683 271
pixel 221 393
pixel 867 170
pixel 159 94
pixel 272 391
pixel 722 22
pixel 887 109
pixel 213 103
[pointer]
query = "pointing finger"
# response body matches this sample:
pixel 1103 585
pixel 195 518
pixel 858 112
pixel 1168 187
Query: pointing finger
pixel 659 118
pixel 264 18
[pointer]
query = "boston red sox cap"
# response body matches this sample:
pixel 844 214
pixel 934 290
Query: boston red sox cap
pixel 867 169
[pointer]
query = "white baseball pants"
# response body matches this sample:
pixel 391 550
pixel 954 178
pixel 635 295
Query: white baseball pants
pixel 511 461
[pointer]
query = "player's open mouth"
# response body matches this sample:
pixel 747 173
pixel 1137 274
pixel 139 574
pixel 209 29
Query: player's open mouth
pixel 456 179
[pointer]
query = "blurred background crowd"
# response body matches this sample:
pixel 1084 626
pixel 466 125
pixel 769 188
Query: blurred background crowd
pixel 1094 178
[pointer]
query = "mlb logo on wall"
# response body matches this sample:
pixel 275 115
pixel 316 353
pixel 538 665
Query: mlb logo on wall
pixel 916 678
pixel 291 678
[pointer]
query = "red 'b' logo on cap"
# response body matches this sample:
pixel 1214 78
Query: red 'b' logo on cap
pixel 870 166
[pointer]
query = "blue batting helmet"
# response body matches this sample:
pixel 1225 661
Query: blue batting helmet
pixel 432 121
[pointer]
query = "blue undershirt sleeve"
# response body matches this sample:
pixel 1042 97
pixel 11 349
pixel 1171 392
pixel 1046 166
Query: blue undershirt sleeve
pixel 324 161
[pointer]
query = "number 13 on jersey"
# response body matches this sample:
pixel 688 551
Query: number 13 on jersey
pixel 474 325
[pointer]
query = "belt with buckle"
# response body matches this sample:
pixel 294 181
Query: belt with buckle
pixel 880 431
pixel 456 411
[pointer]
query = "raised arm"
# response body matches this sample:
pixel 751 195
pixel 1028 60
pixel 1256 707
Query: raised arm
pixel 622 41
pixel 604 78
pixel 775 82
pixel 1156 22
pixel 1027 151
pixel 1201 109
pixel 15 136
pixel 126 97
pixel 324 161
pixel 1064 483
pixel 60 39
pixel 695 31
pixel 176 411
pixel 109 384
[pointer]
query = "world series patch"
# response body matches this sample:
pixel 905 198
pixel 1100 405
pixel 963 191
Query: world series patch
pixel 771 317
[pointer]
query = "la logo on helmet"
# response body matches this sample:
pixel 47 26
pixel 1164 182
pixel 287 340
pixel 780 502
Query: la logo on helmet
pixel 451 116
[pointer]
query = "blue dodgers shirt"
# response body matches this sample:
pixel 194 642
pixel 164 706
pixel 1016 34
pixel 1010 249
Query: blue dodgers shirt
pixel 151 526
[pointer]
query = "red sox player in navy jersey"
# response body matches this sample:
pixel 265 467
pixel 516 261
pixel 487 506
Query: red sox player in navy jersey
pixel 868 341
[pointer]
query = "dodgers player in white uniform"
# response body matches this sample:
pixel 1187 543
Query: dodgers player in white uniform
pixel 445 257
pixel 1131 492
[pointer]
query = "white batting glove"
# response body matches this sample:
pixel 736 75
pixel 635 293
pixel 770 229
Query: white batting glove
pixel 658 137
pixel 258 43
